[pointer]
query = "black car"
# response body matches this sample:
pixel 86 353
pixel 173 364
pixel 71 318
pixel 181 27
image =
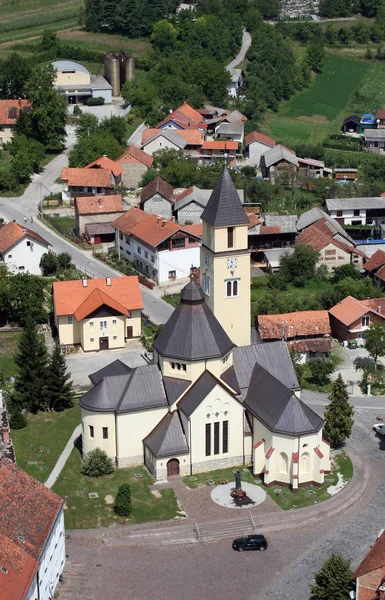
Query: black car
pixel 250 542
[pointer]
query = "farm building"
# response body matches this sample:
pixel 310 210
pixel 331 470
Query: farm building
pixel 76 83
pixel 351 124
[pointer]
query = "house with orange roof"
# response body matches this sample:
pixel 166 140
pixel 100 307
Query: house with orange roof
pixel 307 332
pixel 97 314
pixel 21 249
pixel 94 215
pixel 188 141
pixel 334 249
pixel 9 113
pixel 135 163
pixel 219 149
pixel 256 144
pixel 375 267
pixel 32 536
pixel 106 163
pixel 86 182
pixel 161 249
pixel 369 576
pixel 350 318
pixel 182 119
pixel 157 197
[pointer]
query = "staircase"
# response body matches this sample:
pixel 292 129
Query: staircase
pixel 220 530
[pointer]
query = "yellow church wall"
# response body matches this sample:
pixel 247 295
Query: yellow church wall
pixel 194 369
pixel 216 238
pixel 98 420
pixel 132 428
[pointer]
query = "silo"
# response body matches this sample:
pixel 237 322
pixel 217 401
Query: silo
pixel 127 68
pixel 111 71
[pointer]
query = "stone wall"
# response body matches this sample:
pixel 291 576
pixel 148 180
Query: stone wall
pixel 212 465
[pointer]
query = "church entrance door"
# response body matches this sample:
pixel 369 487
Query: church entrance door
pixel 173 467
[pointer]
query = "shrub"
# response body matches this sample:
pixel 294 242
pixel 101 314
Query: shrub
pixel 123 500
pixel 97 463
pixel 77 111
pixel 95 101
pixel 17 420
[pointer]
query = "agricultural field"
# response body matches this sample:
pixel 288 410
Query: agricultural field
pixel 320 109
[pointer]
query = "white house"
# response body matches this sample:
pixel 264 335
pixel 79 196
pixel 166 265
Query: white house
pixel 21 249
pixel 357 211
pixel 32 544
pixel 236 83
pixel 161 139
pixel 256 144
pixel 210 399
pixel 160 249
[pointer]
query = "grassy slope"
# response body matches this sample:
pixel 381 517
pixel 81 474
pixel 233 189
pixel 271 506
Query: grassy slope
pixel 8 346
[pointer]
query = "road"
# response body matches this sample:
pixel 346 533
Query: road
pixel 246 43
pixel 157 310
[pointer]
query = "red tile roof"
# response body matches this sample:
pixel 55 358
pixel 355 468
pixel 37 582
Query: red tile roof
pixel 87 177
pixel 375 261
pixel 380 114
pixel 12 232
pixel 189 112
pixel 157 186
pixel 192 137
pixel 150 229
pixel 220 145
pixel 106 163
pixel 319 236
pixel 253 219
pixel 9 116
pixel 256 136
pixel 350 309
pixel 381 273
pixel 375 558
pixel 93 205
pixel 133 154
pixel 71 297
pixel 150 132
pixel 311 345
pixel 270 229
pixel 28 509
pixel 296 324
pixel 194 229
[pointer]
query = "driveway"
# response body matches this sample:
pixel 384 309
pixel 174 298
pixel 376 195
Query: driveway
pixel 347 369
pixel 83 364
pixel 246 43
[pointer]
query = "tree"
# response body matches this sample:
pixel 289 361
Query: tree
pixel 26 299
pixel 88 149
pixel 332 580
pixel 164 36
pixel 268 8
pixel 375 341
pixel 49 41
pixel 370 8
pixel 48 264
pixel 17 420
pixel 123 500
pixel 31 359
pixel 320 371
pixel 60 393
pixel 316 54
pixel 97 463
pixel 338 415
pixel 64 260
pixel 48 115
pixel 301 264
pixel 345 271
pixel 14 73
pixel 21 167
pixel 86 125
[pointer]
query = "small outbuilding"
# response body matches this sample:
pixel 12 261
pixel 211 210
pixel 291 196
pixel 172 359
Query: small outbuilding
pixel 351 124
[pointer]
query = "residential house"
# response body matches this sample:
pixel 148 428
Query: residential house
pixel 190 204
pixel 86 182
pixel 306 332
pixel 374 140
pixel 219 404
pixel 157 197
pixel 334 249
pixel 233 116
pixel 380 118
pixel 256 144
pixel 219 149
pixel 32 536
pixel 106 163
pixel 277 162
pixel 77 84
pixel 161 249
pixel 316 214
pixel 273 231
pixel 375 267
pixel 98 314
pixel 21 249
pixel 98 211
pixel 230 131
pixel 183 118
pixel 9 112
pixel 351 124
pixel 234 88
pixel 357 211
pixel 308 167
pixel 369 576
pixel 162 139
pixel 135 163
pixel 350 318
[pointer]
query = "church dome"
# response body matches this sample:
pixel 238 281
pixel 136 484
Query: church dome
pixel 192 332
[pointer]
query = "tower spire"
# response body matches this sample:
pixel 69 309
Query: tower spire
pixel 224 208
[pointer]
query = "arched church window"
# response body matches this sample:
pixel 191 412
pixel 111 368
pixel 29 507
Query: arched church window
pixel 305 462
pixel 283 462
pixel 235 288
pixel 229 289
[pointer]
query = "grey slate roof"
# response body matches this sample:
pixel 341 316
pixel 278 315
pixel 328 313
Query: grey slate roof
pixel 174 388
pixel 172 137
pixel 229 377
pixel 278 407
pixel 168 437
pixel 115 368
pixel 278 153
pixel 272 356
pixel 287 223
pixel 99 228
pixel 352 203
pixel 140 389
pixel 193 332
pixel 354 118
pixel 373 135
pixel 200 197
pixel 230 129
pixel 69 65
pixel 224 208
pixel 198 392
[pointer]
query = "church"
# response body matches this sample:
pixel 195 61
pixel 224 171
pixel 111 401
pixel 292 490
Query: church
pixel 211 398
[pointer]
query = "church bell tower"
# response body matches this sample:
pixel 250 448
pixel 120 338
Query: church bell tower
pixel 225 260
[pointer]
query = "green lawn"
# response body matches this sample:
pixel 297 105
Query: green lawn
pixel 43 440
pixel 320 109
pixel 217 476
pixel 173 299
pixel 8 346
pixel 64 225
pixel 85 513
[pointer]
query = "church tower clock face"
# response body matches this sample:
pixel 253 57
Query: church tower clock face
pixel 232 263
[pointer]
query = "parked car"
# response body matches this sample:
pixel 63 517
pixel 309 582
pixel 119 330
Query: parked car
pixel 250 542
pixel 379 428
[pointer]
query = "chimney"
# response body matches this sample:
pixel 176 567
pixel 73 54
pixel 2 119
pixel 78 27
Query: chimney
pixel 104 155
pixel 173 219
pixel 157 220
pixel 379 309
pixel 108 280
pixel 84 282
pixel 164 222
